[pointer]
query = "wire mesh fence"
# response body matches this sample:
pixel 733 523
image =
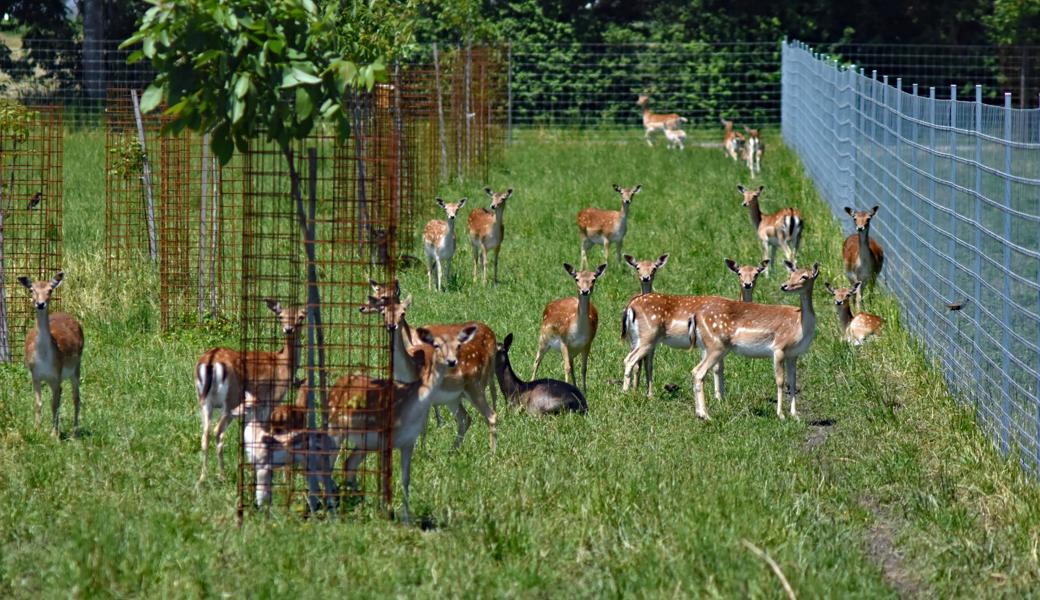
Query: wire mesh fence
pixel 958 183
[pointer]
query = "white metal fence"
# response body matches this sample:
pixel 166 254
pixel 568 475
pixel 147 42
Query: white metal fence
pixel 958 183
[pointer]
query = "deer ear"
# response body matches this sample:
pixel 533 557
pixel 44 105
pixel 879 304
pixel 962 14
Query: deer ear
pixel 467 334
pixel 662 260
pixel 506 343
pixel 849 210
pixel 25 281
pixel 462 202
pixel 407 302
pixel 637 189
pixel 488 191
pixel 874 210
pixel 425 336
pixel 762 265
pixel 440 202
pixel 600 269
pixel 816 270
pixel 397 288
pixel 855 287
pixel 761 188
pixel 617 188
pixel 58 278
pixel 630 260
pixel 373 284
pixel 570 270
pixel 827 285
pixel 509 192
pixel 732 266
pixel 741 188
pixel 790 266
pixel 274 305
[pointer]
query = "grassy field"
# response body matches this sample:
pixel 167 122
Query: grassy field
pixel 885 488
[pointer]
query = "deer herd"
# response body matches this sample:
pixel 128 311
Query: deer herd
pixel 444 364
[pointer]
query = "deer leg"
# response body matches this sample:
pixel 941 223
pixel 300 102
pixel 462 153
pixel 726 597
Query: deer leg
pixel 708 361
pixel 475 394
pixel 446 263
pixel 484 259
pixel 647 137
pixel 264 474
pixel 606 249
pixel 778 371
pixel 766 255
pixel 542 345
pixel 635 355
pixel 38 405
pixel 406 477
pixel 720 379
pixel 497 248
pixel 568 366
pixel 476 260
pixel 75 398
pixel 206 411
pixel 429 273
pixel 55 406
pixel 462 422
pixel 584 370
pixel 648 364
pixel 586 243
pixel 790 365
pixel 225 420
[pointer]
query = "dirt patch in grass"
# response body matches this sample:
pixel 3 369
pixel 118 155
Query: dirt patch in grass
pixel 819 431
pixel 881 548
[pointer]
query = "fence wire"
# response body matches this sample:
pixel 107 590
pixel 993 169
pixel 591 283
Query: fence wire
pixel 958 183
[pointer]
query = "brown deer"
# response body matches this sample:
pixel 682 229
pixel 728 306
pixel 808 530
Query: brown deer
pixel 486 231
pixel 748 275
pixel 656 122
pixel 783 333
pixel 855 329
pixel 732 141
pixel 753 150
pixel 598 226
pixel 569 324
pixel 539 397
pixel 53 350
pixel 676 138
pixel 222 376
pixel 860 265
pixel 439 243
pixel 782 229
pixel 646 270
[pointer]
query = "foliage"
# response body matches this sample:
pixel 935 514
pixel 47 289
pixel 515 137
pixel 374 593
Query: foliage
pixel 373 30
pixel 127 157
pixel 15 121
pixel 1014 22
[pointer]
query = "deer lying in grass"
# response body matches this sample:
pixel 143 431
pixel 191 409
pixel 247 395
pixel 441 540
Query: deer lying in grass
pixel 539 397
pixel 753 150
pixel 732 141
pixel 783 333
pixel 223 375
pixel 569 324
pixel 646 270
pixel 598 226
pixel 656 122
pixel 782 229
pixel 53 351
pixel 855 329
pixel 748 275
pixel 860 265
pixel 486 231
pixel 439 244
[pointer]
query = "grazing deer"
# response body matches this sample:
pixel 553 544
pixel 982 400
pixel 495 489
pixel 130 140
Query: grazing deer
pixel 860 265
pixel 781 229
pixel 656 122
pixel 854 329
pixel 53 350
pixel 486 231
pixel 748 275
pixel 753 150
pixel 732 141
pixel 569 324
pixel 598 226
pixel 439 243
pixel 675 137
pixel 782 333
pixel 539 397
pixel 223 375
pixel 646 270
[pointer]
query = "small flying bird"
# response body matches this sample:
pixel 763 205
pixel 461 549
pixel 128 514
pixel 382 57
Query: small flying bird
pixel 34 201
pixel 958 305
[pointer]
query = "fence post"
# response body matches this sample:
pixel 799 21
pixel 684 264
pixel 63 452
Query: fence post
pixel 1036 445
pixel 932 250
pixel 977 299
pixel 509 93
pixel 1005 383
pixel 952 245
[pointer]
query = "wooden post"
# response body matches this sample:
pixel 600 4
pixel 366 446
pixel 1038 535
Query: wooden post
pixel 202 227
pixel 146 176
pixel 440 112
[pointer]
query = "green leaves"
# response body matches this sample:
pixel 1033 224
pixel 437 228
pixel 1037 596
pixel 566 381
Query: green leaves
pixel 294 76
pixel 151 98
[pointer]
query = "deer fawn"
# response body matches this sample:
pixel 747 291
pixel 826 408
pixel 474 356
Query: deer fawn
pixel 646 270
pixel 854 329
pixel 781 229
pixel 732 141
pixel 439 243
pixel 569 324
pixel 753 150
pixel 598 226
pixel 223 375
pixel 748 275
pixel 675 137
pixel 543 396
pixel 656 122
pixel 783 333
pixel 860 265
pixel 53 350
pixel 486 231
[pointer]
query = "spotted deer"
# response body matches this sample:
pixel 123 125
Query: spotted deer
pixel 646 270
pixel 439 243
pixel 656 122
pixel 855 329
pixel 732 141
pixel 753 150
pixel 860 265
pixel 486 231
pixel 222 376
pixel 598 226
pixel 53 351
pixel 783 333
pixel 676 138
pixel 748 275
pixel 569 324
pixel 782 229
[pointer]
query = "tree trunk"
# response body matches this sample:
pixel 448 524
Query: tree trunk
pixel 440 113
pixel 202 227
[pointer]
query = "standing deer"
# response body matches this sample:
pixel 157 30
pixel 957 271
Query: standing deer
pixel 860 265
pixel 748 275
pixel 486 231
pixel 782 333
pixel 539 397
pixel 656 122
pixel 569 324
pixel 732 141
pixel 676 138
pixel 439 244
pixel 53 350
pixel 855 329
pixel 781 229
pixel 753 150
pixel 222 376
pixel 598 226
pixel 646 270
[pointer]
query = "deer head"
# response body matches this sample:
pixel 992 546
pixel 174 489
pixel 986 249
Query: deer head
pixel 41 291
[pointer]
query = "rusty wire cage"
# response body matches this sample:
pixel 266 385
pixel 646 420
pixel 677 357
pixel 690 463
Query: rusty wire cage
pixel 30 213
pixel 348 196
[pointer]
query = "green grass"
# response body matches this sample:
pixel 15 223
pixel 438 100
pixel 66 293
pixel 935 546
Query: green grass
pixel 638 498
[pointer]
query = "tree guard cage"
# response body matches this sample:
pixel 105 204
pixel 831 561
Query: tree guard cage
pixel 349 194
pixel 30 214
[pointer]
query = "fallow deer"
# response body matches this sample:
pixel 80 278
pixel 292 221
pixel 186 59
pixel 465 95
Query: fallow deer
pixel 656 122
pixel 569 324
pixel 753 150
pixel 732 141
pixel 783 333
pixel 646 270
pixel 53 351
pixel 855 329
pixel 222 376
pixel 782 229
pixel 598 226
pixel 486 231
pixel 860 265
pixel 539 397
pixel 748 275
pixel 675 137
pixel 439 243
